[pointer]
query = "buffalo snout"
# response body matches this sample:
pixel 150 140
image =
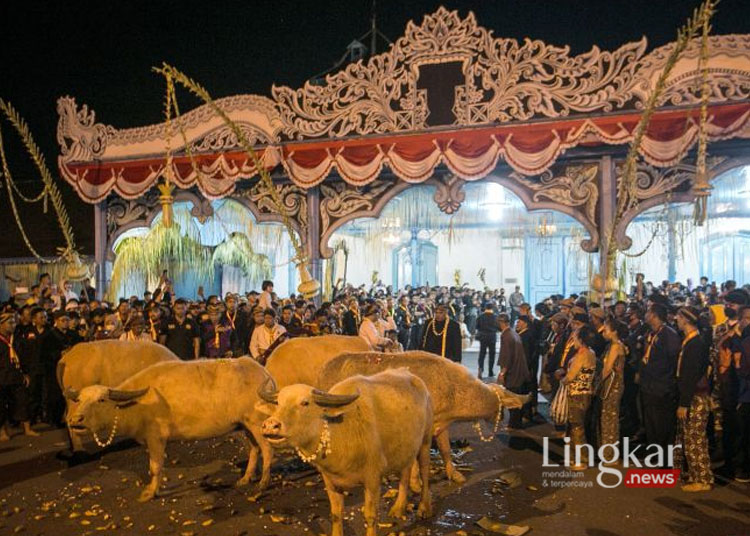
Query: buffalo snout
pixel 273 429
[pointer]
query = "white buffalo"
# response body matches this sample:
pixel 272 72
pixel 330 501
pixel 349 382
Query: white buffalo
pixel 107 362
pixel 177 400
pixel 299 360
pixel 456 394
pixel 363 429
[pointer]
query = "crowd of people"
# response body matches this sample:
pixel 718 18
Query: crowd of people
pixel 669 364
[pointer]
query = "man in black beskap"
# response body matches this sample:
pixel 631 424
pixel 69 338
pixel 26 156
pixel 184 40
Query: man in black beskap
pixel 442 336
pixel 487 329
pixel 658 379
pixel 32 362
pixel 181 334
pixel 514 370
pixel 240 323
pixel 53 346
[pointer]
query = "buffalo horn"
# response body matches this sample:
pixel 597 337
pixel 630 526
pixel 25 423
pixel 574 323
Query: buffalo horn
pixel 268 393
pixel 126 396
pixel 327 400
pixel 71 394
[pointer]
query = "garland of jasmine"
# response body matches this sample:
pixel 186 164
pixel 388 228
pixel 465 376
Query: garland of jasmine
pixel 111 436
pixel 496 426
pixel 442 334
pixel 324 446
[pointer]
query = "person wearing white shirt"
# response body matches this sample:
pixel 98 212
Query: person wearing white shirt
pixel 265 335
pixel 266 297
pixel 137 331
pixel 67 291
pixel 368 330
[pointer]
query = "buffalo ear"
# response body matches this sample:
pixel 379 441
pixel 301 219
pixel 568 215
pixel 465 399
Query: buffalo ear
pixel 264 408
pixel 336 414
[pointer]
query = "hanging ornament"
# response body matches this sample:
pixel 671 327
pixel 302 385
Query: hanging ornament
pixel 167 200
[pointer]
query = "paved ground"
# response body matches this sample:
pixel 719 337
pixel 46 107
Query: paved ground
pixel 39 494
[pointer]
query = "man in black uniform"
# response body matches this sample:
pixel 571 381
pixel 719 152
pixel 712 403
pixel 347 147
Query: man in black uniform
pixel 14 401
pixel 636 343
pixel 32 362
pixel 290 322
pixel 487 329
pixel 53 346
pixel 658 378
pixel 402 318
pixel 352 319
pixel 240 324
pixel 442 336
pixel 514 371
pixel 180 334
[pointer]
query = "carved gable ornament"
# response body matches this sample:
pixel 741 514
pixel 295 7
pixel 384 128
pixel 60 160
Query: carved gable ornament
pixel 503 80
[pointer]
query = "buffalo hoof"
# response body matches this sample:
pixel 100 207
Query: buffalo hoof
pixel 457 477
pixel 425 510
pixel 242 482
pixel 397 511
pixel 146 495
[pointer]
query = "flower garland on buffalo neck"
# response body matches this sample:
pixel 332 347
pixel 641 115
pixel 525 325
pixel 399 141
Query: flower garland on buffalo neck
pixel 324 446
pixel 498 416
pixel 111 436
pixel 443 334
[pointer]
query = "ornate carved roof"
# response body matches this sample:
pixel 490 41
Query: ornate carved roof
pixel 445 74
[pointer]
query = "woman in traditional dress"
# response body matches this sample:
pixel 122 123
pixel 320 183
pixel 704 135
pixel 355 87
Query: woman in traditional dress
pixel 612 385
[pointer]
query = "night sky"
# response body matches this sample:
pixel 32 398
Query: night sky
pixel 101 53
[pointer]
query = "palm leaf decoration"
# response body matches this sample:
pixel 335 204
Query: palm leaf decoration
pixel 161 248
pixel 237 251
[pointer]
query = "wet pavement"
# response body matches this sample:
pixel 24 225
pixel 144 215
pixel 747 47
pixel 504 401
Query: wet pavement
pixel 41 495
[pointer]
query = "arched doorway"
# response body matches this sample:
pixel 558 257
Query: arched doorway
pixel 412 242
pixel 667 245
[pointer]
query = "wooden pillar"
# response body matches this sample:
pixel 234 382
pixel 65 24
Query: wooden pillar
pixel 313 235
pixel 100 247
pixel 607 209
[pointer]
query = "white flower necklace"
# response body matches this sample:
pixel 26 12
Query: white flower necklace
pixel 111 437
pixel 324 446
pixel 498 416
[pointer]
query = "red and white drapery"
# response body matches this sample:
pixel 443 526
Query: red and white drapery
pixel 471 153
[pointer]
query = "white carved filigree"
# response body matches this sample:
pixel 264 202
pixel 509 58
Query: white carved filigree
pixel 576 187
pixel 225 138
pixel 340 200
pixel 292 197
pixel 505 80
pixel 652 181
pixel 728 72
pixel 79 136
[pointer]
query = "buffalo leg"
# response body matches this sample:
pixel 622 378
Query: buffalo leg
pixel 336 498
pixel 156 449
pixel 267 454
pixel 425 503
pixel 372 500
pixel 414 482
pixel 443 440
pixel 252 459
pixel 399 507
